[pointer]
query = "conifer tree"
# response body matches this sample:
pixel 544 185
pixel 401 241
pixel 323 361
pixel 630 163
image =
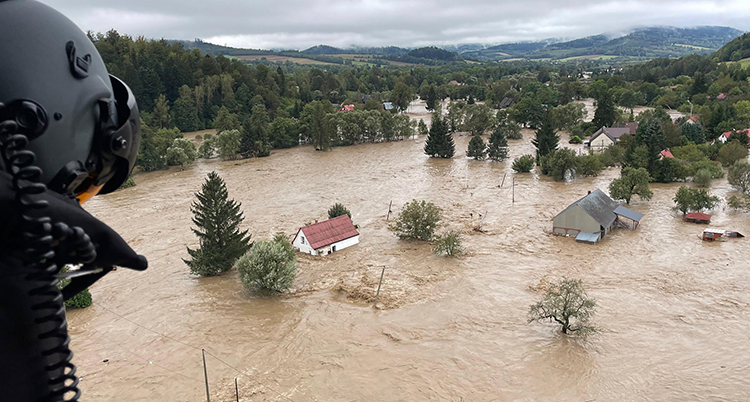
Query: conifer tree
pixel 161 117
pixel 218 219
pixel 185 112
pixel 546 138
pixel 432 98
pixel 498 148
pixel 439 140
pixel 605 114
pixel 477 148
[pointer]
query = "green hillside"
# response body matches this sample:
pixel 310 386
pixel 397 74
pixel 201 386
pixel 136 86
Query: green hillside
pixel 641 44
pixel 736 50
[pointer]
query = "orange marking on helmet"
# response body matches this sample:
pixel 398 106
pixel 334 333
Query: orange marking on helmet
pixel 89 193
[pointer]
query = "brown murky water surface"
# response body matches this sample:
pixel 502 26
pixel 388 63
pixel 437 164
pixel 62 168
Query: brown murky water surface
pixel 674 311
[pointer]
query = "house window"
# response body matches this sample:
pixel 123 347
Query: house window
pixel 302 239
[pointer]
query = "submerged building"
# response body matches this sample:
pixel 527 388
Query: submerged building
pixel 326 237
pixel 592 217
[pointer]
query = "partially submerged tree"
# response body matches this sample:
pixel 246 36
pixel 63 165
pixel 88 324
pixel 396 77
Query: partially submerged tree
pixel 439 142
pixel 559 162
pixel 218 220
pixel 477 148
pixel 498 148
pixel 269 266
pixel 228 144
pixel 417 220
pixel 688 199
pixel 567 304
pixel 181 153
pixel 631 182
pixel 338 209
pixel 523 164
pixel 739 176
pixel 449 244
pixel 546 139
pixel 208 147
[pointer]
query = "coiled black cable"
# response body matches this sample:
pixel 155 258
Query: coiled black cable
pixel 38 239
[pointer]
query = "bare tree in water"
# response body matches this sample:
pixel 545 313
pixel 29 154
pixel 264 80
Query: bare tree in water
pixel 567 304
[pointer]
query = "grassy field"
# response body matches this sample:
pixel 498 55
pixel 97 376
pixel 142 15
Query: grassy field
pixel 589 57
pixel 692 46
pixel 272 58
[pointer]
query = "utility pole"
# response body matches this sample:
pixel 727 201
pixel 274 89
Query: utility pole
pixel 514 190
pixel 236 390
pixel 377 295
pixel 205 375
pixel 388 215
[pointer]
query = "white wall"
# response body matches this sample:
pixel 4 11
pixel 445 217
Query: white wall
pixel 300 243
pixel 601 142
pixel 346 243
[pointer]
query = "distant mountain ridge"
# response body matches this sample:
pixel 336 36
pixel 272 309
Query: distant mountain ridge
pixel 645 43
pixel 640 44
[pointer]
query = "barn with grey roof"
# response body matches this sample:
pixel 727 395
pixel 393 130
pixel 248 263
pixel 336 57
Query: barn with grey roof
pixel 592 217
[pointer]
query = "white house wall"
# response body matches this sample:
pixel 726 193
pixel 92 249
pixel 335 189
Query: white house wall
pixel 601 142
pixel 346 243
pixel 300 243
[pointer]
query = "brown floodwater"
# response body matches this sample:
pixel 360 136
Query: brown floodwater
pixel 674 312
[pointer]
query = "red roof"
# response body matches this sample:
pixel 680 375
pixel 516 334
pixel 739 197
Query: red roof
pixel 698 216
pixel 693 118
pixel 666 153
pixel 728 133
pixel 328 232
pixel 346 108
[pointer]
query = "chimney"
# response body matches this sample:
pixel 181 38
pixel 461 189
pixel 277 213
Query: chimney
pixel 589 191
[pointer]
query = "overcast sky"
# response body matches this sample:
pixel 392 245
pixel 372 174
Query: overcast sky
pixel 299 24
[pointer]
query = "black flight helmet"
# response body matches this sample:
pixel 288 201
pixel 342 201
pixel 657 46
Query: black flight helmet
pixel 82 123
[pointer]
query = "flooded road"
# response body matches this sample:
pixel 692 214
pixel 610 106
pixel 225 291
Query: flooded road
pixel 674 311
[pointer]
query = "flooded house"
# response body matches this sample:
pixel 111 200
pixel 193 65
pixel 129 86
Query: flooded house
pixel 326 237
pixel 592 217
pixel 607 136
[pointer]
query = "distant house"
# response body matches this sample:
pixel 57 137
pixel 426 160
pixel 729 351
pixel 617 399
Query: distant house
pixel 388 105
pixel 721 96
pixel 607 136
pixel 666 154
pixel 593 217
pixel 724 137
pixel 506 102
pixel 326 237
pixel 346 108
pixel 692 120
pixel 456 83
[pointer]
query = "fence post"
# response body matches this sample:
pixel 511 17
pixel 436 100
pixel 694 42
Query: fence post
pixel 377 295
pixel 205 375
pixel 236 390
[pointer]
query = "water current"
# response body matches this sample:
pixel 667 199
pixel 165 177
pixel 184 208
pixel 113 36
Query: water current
pixel 674 312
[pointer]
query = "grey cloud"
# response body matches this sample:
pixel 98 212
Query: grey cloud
pixel 300 24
